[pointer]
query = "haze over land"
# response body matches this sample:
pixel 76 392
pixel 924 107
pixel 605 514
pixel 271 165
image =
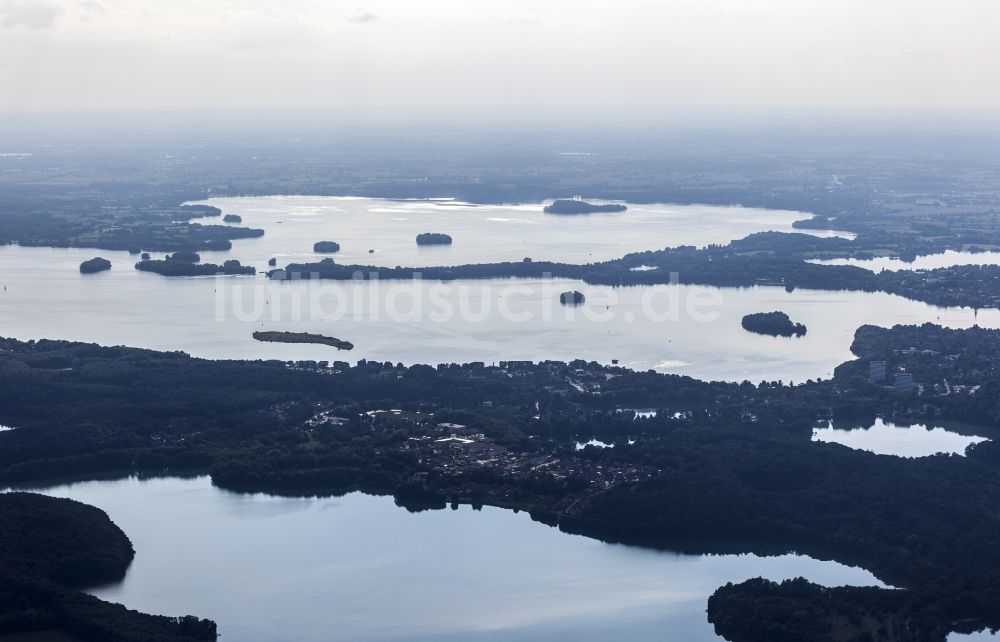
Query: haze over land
pixel 541 61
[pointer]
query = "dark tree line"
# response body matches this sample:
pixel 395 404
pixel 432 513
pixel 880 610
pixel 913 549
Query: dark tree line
pixel 48 548
pixel 726 467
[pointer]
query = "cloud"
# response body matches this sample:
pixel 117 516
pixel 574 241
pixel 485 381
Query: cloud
pixel 30 14
pixel 363 17
pixel 95 7
pixel 524 19
pixel 277 31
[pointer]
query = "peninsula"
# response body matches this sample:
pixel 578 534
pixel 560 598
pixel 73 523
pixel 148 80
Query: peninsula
pixel 574 206
pixel 301 337
pixel 72 545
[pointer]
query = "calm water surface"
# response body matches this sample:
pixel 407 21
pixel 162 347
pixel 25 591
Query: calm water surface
pixel 948 258
pixel 884 438
pixel 360 568
pixel 481 233
pixel 685 329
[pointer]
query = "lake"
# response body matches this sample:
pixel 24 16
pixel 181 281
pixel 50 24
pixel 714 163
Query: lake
pixel 688 330
pixel 269 568
pixel 481 233
pixel 360 568
pixel 691 330
pixel 948 258
pixel 884 438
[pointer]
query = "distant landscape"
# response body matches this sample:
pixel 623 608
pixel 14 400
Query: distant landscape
pixel 717 468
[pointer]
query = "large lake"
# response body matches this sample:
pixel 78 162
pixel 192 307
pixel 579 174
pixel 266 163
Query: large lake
pixel 685 329
pixel 481 233
pixel 360 568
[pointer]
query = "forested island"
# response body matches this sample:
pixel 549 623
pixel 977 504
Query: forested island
pixel 183 268
pixel 302 337
pixel 232 218
pixel 433 238
pixel 575 206
pixel 776 324
pixel 326 247
pixel 94 265
pixel 721 468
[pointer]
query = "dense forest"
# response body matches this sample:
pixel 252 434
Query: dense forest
pixel 148 220
pixel 796 610
pixel 48 548
pixel 721 468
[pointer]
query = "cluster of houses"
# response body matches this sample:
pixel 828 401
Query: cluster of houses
pixel 456 439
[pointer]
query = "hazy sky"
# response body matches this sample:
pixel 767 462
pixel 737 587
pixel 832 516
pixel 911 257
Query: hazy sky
pixel 483 56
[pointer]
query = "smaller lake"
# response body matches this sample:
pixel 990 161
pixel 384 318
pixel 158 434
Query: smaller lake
pixel 641 413
pixel 948 258
pixel 883 438
pixel 580 445
pixel 360 568
pixel 979 636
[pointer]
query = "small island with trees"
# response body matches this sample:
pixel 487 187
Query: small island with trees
pixel 572 298
pixel 94 265
pixel 577 206
pixel 326 247
pixel 776 324
pixel 433 238
pixel 302 337
pixel 232 218
pixel 174 267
